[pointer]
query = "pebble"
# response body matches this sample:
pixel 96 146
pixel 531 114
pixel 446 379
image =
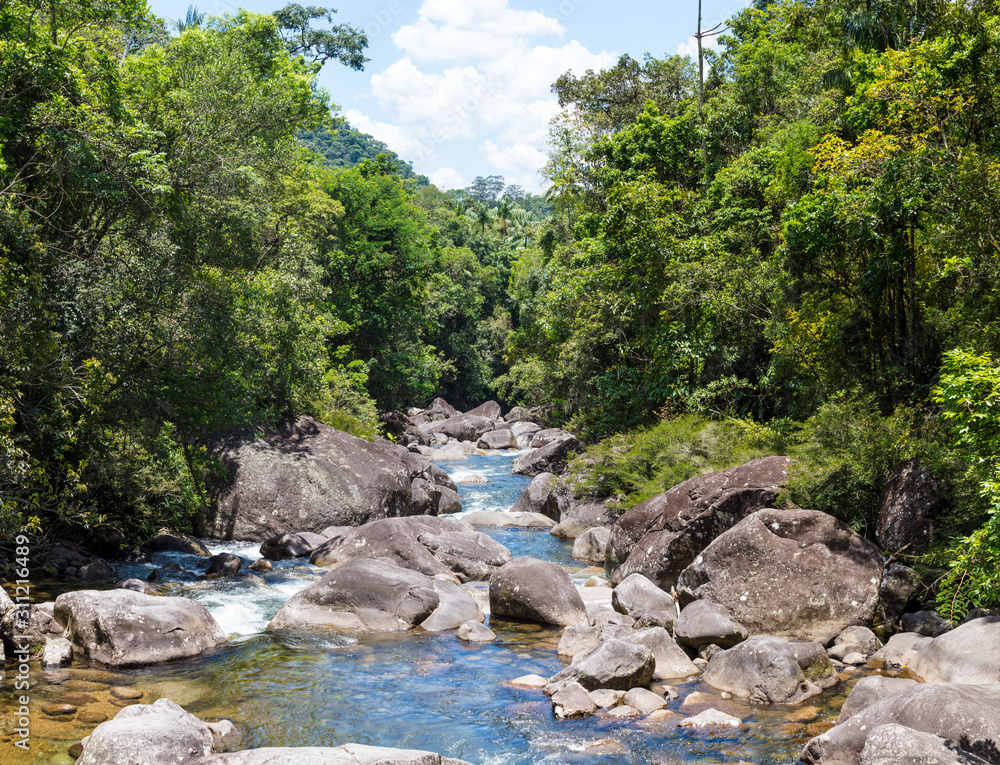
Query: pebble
pixel 529 681
pixel 121 692
pixel 711 718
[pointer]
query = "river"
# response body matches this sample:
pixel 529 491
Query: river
pixel 414 690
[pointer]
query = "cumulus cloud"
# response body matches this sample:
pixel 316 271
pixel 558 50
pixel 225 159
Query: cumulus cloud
pixel 448 178
pixel 690 46
pixel 476 69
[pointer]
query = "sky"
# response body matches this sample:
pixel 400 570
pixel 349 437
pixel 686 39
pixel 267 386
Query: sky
pixel 462 88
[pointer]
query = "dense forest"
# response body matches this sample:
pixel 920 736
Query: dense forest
pixel 795 252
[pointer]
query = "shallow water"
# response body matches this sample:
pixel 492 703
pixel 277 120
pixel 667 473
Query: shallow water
pixel 415 690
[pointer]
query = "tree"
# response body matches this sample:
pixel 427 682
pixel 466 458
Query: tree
pixel 486 190
pixel 341 42
pixel 193 20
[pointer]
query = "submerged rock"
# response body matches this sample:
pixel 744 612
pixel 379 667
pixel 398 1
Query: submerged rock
pixel 123 628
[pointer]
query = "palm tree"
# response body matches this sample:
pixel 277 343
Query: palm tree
pixel 193 20
pixel 504 209
pixel 481 214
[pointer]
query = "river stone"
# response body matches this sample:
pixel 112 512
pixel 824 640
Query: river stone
pixel 703 623
pixel 578 519
pixel 532 590
pixel 98 569
pixel 475 632
pixel 548 436
pixel 284 546
pixel 224 563
pixel 572 700
pixel 899 585
pixel 592 545
pixel 490 410
pixel 605 698
pixel 141 734
pixel 791 573
pixel 660 537
pixel 551 458
pixel 168 541
pixel 769 670
pixel 901 649
pixel 306 476
pixel 911 502
pixel 123 628
pixel 670 660
pixel 578 640
pixel 967 714
pixel 512 519
pixel 462 427
pixel 862 637
pixel 711 718
pixel 970 653
pixel 636 595
pixel 455 608
pixel 543 495
pixel 498 439
pixel 524 432
pixel 614 664
pixel 929 623
pixel 448 501
pixel 424 497
pixel 362 594
pixel 870 690
pixel 58 651
pixel 895 744
pixel 425 544
pixel 137 585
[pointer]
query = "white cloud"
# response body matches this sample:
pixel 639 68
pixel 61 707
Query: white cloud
pixel 447 178
pixel 405 142
pixel 476 69
pixel 690 46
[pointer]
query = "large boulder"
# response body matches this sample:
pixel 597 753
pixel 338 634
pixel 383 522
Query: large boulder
pixel 524 432
pixel 532 590
pixel 455 608
pixel 362 594
pixel 490 410
pixel 894 744
pixel 661 536
pixel 306 476
pixel 704 623
pixel 169 541
pixel 636 595
pixel 614 664
pixel 670 661
pixel 967 714
pixel 911 502
pixel 498 439
pixel 547 436
pixel 543 495
pixel 899 586
pixel 970 653
pixel 592 545
pixel 425 544
pixel 578 519
pixel 463 427
pixel 769 670
pixel 123 628
pixel 792 573
pixel 871 690
pixel 551 458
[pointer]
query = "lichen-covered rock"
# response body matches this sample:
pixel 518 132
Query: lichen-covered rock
pixel 576 520
pixel 123 628
pixel 532 590
pixel 769 670
pixel 498 439
pixel 463 427
pixel 661 536
pixel 306 476
pixel 791 573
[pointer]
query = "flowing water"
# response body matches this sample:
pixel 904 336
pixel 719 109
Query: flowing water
pixel 416 690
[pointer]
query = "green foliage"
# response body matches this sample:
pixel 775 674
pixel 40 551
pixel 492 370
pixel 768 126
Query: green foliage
pixel 343 146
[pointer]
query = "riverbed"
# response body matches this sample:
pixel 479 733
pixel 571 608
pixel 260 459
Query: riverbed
pixel 414 690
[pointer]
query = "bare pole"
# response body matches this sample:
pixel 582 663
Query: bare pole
pixel 699 36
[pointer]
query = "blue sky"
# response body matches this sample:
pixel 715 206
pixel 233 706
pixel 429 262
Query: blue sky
pixel 462 87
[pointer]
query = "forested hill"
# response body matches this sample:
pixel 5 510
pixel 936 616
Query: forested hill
pixel 803 248
pixel 343 146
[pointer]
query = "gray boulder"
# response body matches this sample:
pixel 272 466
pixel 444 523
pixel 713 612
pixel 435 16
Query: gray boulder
pixel 966 714
pixel 498 439
pixel 462 427
pixel 544 496
pixel 663 535
pixel 704 623
pixel 123 628
pixel 592 545
pixel 895 744
pixel 551 458
pixel 306 476
pixel 490 410
pixel 900 650
pixel 613 664
pixel 168 541
pixel 448 501
pixel 670 661
pixel 572 701
pixel 899 585
pixel 422 543
pixel 636 596
pixel 871 690
pixel 578 519
pixel 791 573
pixel 532 590
pixel 549 435
pixel 362 594
pixel 524 432
pixel 862 638
pixel 224 564
pixel 475 632
pixel 929 623
pixel 284 546
pixel 768 670
pixel 518 520
pixel 455 608
pixel 911 502
pixel 970 653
